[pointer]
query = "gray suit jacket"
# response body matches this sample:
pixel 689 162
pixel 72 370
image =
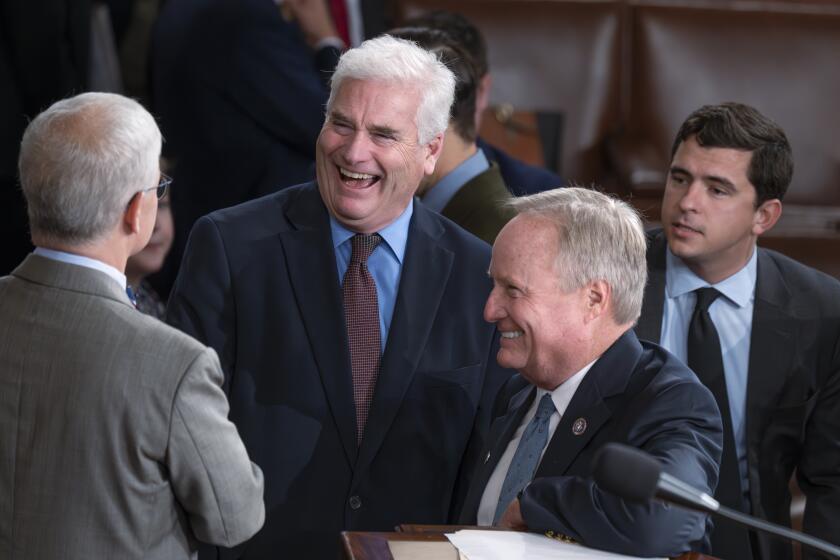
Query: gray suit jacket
pixel 114 438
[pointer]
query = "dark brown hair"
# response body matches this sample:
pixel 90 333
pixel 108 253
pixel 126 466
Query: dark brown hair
pixel 459 62
pixel 741 127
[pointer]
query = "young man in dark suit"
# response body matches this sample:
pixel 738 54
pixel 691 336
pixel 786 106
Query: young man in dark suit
pixel 761 330
pixel 348 318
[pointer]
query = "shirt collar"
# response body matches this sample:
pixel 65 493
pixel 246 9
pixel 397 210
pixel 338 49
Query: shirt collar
pixel 439 195
pixel 87 262
pixel 394 234
pixel 563 393
pixel 738 288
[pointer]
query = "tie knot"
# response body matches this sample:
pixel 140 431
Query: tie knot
pixel 546 407
pixel 363 246
pixel 705 298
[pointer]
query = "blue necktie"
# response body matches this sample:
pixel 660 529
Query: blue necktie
pixel 527 455
pixel 131 297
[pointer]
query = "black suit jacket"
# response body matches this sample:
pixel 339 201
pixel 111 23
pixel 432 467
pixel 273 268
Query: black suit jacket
pixel 637 394
pixel 793 389
pixel 240 99
pixel 44 50
pixel 259 284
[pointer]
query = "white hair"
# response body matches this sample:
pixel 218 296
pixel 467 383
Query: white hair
pixel 601 238
pixel 393 60
pixel 82 160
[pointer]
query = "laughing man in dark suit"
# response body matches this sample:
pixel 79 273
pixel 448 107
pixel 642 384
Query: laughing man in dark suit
pixel 777 323
pixel 359 386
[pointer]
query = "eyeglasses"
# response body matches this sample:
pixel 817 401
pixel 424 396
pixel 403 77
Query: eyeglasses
pixel 165 181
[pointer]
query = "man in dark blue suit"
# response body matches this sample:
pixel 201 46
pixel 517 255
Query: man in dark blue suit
pixel 347 317
pixel 239 88
pixel 569 273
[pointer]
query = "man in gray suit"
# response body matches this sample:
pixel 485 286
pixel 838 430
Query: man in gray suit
pixel 114 438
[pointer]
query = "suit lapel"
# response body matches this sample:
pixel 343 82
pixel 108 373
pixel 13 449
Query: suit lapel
pixel 589 409
pixel 649 326
pixel 312 272
pixel 425 274
pixel 772 347
pixel 501 431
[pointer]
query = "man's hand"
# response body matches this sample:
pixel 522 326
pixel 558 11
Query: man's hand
pixel 314 19
pixel 512 517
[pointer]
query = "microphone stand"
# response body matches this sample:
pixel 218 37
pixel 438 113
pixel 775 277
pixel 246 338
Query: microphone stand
pixel 827 549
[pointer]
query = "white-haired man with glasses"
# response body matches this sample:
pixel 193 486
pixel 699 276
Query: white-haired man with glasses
pixel 348 317
pixel 114 435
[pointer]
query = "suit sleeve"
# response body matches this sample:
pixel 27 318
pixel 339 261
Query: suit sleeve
pixel 819 468
pixel 680 426
pixel 202 303
pixel 212 477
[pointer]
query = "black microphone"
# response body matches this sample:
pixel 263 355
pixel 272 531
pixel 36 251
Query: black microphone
pixel 636 476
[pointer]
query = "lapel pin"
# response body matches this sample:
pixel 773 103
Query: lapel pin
pixel 579 426
pixel 487 458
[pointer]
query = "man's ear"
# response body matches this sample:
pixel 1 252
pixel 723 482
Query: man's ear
pixel 766 215
pixel 482 98
pixel 598 295
pixel 433 150
pixel 131 217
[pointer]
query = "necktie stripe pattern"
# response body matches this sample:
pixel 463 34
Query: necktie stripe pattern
pixel 361 316
pixel 527 456
pixel 706 360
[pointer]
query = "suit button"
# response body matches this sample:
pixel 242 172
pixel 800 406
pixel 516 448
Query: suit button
pixel 355 502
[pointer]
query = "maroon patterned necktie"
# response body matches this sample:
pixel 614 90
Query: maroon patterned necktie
pixel 361 314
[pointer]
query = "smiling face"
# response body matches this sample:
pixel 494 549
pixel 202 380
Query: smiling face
pixel 708 210
pixel 369 161
pixel 545 331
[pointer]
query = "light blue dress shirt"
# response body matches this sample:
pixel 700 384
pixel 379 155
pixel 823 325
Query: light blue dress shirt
pixel 87 262
pixel 442 192
pixel 384 264
pixel 732 315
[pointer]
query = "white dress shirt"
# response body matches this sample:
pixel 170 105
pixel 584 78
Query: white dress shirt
pixel 87 262
pixel 561 396
pixel 732 314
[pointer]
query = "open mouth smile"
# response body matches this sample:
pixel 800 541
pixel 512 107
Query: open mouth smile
pixel 357 180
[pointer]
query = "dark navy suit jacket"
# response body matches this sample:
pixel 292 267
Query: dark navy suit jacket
pixel 259 284
pixel 637 394
pixel 521 178
pixel 793 390
pixel 240 100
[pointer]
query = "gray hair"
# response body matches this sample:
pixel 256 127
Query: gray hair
pixel 393 60
pixel 601 238
pixel 82 160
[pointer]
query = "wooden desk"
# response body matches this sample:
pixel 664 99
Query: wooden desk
pixel 366 545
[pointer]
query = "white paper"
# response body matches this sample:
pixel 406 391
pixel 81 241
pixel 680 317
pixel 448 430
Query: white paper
pixel 510 545
pixel 413 550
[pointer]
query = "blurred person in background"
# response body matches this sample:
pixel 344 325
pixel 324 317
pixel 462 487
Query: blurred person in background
pixel 150 260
